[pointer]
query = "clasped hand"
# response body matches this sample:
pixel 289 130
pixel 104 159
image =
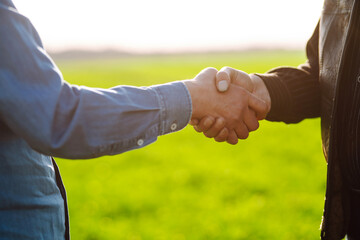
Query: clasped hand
pixel 227 104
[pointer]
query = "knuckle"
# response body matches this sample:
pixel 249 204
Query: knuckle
pixel 220 123
pixel 237 118
pixel 222 135
pixel 211 70
pixel 222 75
pixel 206 123
pixel 249 86
pixel 225 68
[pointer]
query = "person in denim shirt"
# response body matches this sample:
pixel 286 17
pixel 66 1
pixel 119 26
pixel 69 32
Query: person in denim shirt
pixel 41 115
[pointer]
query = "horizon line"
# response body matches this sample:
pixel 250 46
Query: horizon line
pixel 114 52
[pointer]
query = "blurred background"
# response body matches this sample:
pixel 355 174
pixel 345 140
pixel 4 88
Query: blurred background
pixel 186 186
pixel 172 26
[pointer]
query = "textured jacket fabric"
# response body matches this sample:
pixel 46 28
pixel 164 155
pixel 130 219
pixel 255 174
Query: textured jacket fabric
pixel 310 91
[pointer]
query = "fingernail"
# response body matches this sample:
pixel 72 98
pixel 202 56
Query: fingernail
pixel 223 86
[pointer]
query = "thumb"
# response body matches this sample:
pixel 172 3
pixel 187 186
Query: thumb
pixel 259 106
pixel 228 75
pixel 222 80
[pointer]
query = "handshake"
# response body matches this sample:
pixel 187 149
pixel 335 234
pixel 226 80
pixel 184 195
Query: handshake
pixel 227 104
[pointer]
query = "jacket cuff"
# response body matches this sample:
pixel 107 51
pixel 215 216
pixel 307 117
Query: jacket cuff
pixel 279 95
pixel 294 93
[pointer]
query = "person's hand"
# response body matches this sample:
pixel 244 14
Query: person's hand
pixel 229 109
pixel 214 128
pixel 253 83
pixel 225 77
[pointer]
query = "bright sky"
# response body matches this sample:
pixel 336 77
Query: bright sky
pixel 172 26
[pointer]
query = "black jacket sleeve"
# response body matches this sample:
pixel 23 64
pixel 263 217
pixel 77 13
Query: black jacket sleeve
pixel 295 92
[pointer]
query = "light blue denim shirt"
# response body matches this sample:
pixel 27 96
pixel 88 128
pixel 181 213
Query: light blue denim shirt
pixel 41 115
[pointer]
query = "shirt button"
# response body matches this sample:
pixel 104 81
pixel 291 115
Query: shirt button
pixel 140 142
pixel 173 126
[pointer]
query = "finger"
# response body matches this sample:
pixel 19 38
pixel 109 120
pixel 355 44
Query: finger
pixel 250 120
pixel 205 124
pixel 222 136
pixel 194 122
pixel 259 106
pixel 207 73
pixel 232 138
pixel 215 128
pixel 197 129
pixel 241 131
pixel 236 77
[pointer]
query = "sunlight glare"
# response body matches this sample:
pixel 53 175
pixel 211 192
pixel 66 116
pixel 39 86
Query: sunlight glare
pixel 172 26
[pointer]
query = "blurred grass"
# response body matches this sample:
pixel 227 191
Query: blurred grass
pixel 186 186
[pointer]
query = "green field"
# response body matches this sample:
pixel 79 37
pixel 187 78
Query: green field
pixel 186 186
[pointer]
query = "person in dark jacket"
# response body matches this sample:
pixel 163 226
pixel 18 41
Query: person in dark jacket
pixel 326 86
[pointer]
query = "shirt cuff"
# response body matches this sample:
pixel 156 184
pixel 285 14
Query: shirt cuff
pixel 175 104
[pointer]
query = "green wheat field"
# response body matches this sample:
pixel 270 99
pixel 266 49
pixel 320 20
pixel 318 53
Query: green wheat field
pixel 186 186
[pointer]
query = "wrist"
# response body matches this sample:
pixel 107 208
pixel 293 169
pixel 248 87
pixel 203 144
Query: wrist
pixel 260 90
pixel 192 88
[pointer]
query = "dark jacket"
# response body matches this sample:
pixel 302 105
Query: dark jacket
pixel 311 90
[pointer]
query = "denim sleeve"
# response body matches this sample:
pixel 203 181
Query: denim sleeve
pixel 64 120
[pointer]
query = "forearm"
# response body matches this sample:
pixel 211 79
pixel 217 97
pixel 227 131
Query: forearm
pixel 81 122
pixel 56 118
pixel 295 92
